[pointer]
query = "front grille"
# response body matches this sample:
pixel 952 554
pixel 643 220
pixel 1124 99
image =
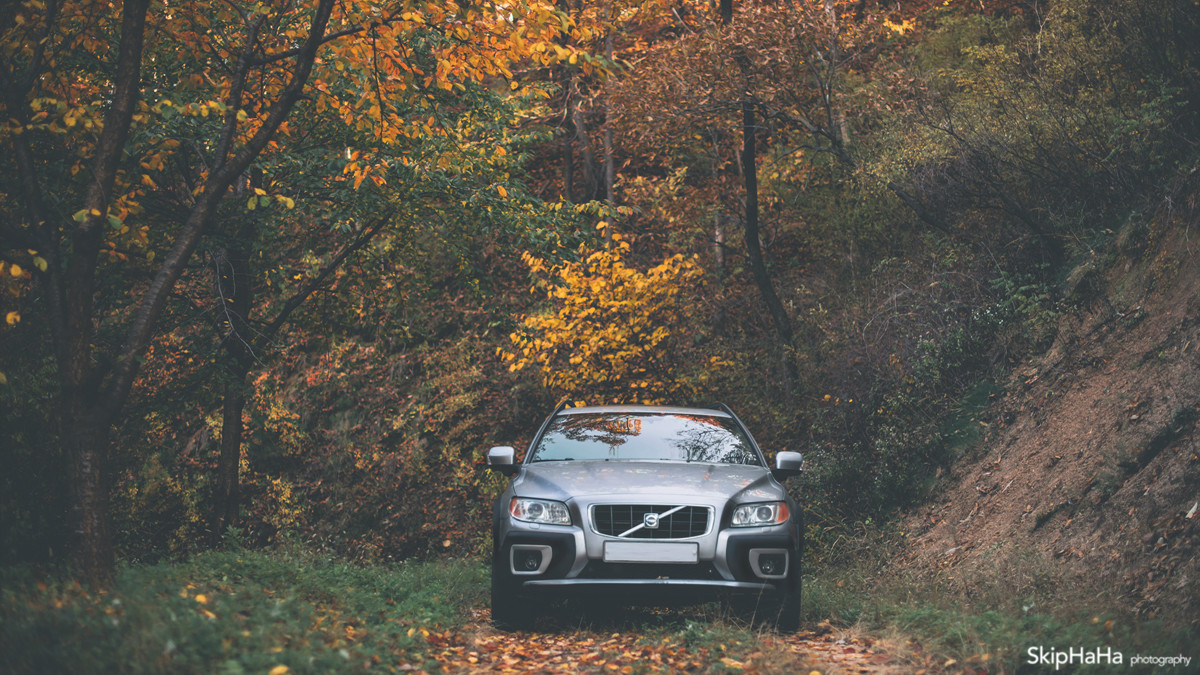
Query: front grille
pixel 675 522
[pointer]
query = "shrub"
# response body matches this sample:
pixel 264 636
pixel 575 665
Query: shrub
pixel 615 332
pixel 236 612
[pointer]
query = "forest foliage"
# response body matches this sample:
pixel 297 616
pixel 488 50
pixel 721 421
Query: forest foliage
pixel 613 333
pixel 313 259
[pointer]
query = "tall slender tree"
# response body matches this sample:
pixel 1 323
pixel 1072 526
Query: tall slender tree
pixel 103 97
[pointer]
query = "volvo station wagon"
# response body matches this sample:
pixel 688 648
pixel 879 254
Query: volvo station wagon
pixel 650 504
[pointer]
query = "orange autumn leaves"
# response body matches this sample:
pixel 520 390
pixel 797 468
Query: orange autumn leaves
pixel 213 73
pixel 569 652
pixel 379 70
pixel 613 332
pixel 392 67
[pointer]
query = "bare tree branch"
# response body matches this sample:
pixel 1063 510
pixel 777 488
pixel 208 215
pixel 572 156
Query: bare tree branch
pixel 214 191
pixel 318 281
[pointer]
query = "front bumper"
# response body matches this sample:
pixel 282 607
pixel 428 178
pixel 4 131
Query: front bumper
pixel 725 563
pixel 673 591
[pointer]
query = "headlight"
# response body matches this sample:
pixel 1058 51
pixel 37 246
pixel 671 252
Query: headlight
pixel 539 511
pixel 753 515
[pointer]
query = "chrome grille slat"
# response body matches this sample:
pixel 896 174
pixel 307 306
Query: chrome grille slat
pixel 627 521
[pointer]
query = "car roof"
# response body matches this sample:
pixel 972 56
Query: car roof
pixel 643 409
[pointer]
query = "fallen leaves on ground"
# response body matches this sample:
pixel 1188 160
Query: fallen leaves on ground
pixel 482 649
pixel 488 650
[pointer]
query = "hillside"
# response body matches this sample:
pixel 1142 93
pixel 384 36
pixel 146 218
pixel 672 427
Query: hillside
pixel 1086 477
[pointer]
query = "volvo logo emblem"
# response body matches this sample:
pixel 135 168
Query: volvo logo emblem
pixel 650 520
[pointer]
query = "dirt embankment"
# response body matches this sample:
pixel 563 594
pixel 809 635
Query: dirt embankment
pixel 1087 480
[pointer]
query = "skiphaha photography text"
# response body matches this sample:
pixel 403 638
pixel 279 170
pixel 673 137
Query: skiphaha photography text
pixel 1100 656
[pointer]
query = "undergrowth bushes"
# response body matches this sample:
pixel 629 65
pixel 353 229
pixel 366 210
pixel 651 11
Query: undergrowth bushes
pixel 401 475
pixel 987 621
pixel 234 612
pixel 1017 147
pixel 899 376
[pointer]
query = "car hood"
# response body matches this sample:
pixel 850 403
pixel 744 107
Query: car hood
pixel 648 480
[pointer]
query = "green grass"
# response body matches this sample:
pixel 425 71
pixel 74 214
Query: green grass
pixel 236 612
pixel 257 612
pixel 261 611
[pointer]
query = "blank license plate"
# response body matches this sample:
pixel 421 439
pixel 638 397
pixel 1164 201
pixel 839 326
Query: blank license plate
pixel 651 552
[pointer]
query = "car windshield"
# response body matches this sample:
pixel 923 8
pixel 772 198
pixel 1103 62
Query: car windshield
pixel 645 436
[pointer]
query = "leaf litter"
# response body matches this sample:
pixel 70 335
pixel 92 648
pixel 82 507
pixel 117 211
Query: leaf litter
pixel 479 648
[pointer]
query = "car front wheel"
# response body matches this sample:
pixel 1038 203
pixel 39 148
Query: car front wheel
pixel 786 605
pixel 780 609
pixel 783 611
pixel 511 610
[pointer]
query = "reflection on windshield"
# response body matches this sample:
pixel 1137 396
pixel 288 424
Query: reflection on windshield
pixel 647 436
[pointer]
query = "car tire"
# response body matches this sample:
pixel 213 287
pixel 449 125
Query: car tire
pixel 787 615
pixel 779 610
pixel 511 610
pixel 784 613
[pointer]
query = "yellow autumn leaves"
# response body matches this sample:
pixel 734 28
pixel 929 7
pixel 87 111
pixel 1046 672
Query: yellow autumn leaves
pixel 13 278
pixel 612 334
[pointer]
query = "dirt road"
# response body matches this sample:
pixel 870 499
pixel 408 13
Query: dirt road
pixel 625 646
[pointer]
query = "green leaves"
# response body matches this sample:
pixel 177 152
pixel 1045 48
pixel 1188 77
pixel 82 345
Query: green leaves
pixel 114 221
pixel 262 199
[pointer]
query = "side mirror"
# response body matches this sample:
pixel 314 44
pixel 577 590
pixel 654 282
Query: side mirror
pixel 788 464
pixel 502 458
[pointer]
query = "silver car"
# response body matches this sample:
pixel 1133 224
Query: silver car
pixel 646 502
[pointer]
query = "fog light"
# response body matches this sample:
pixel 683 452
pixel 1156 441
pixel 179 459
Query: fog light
pixel 769 563
pixel 526 559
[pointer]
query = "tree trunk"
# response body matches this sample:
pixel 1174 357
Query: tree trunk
pixel 85 436
pixel 585 143
pixel 753 248
pixel 225 511
pixel 719 245
pixel 88 410
pixel 92 396
pixel 718 317
pixel 609 171
pixel 568 148
pixel 568 169
pixel 235 292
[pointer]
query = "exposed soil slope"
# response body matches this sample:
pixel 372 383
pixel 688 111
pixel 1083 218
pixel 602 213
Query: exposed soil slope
pixel 1087 478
